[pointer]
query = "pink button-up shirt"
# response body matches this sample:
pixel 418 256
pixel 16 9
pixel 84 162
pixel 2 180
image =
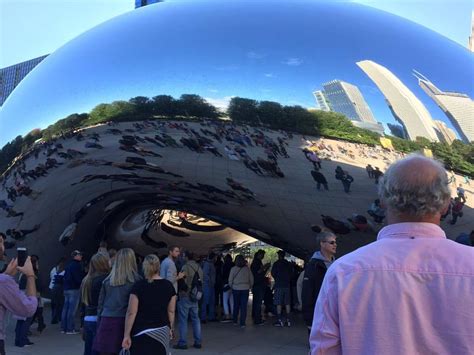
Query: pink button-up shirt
pixel 410 292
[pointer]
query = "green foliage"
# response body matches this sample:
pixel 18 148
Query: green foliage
pixel 195 106
pixel 116 111
pixel 242 110
pixel 164 105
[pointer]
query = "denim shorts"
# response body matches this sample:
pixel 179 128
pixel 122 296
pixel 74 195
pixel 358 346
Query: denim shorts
pixel 281 296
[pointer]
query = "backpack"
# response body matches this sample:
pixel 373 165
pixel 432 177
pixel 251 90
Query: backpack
pixel 195 294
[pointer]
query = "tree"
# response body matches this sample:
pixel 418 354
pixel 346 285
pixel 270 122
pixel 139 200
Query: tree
pixel 195 106
pixel 243 110
pixel 164 105
pixel 143 105
pixel 271 113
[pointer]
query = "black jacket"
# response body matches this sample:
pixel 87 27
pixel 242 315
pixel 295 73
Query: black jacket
pixel 314 272
pixel 318 177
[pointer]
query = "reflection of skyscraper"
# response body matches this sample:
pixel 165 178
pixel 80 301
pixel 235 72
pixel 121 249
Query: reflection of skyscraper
pixel 347 99
pixel 141 3
pixel 446 134
pixel 397 130
pixel 458 107
pixel 405 106
pixel 11 76
pixel 321 100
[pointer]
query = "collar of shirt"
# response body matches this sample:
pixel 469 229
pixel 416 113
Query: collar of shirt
pixel 411 230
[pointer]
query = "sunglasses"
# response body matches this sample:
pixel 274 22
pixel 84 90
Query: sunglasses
pixel 332 242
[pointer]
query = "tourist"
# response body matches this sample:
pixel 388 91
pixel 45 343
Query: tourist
pixel 188 306
pixel 227 298
pixel 456 210
pixel 320 179
pixel 12 299
pixel 241 281
pixel 461 193
pixel 315 270
pixel 466 239
pixel 281 273
pixel 56 287
pixel 208 311
pixel 384 297
pixel 376 211
pixel 268 298
pixel 377 174
pixel 259 272
pixel 90 290
pixel 3 257
pixel 370 171
pixel 168 269
pixel 73 275
pixel 219 286
pixel 149 323
pixel 38 316
pixel 113 302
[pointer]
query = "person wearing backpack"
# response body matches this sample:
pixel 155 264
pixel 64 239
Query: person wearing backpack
pixel 189 294
pixel 314 272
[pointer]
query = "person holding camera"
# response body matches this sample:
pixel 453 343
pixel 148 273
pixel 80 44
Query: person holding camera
pixel 11 298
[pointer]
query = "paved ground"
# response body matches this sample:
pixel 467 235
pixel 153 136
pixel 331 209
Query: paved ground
pixel 217 339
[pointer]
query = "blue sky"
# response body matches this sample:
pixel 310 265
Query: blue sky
pixel 30 28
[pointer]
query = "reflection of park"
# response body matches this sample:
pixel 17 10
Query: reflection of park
pixel 219 192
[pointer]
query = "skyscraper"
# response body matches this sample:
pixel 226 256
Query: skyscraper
pixel 470 43
pixel 11 76
pixel 347 99
pixel 446 134
pixel 458 107
pixel 405 106
pixel 141 3
pixel 321 100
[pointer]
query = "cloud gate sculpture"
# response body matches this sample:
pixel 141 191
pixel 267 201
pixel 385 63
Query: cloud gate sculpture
pixel 169 167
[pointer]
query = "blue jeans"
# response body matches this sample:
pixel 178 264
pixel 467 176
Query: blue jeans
pixel 208 301
pixel 21 332
pixel 90 330
pixel 71 300
pixel 241 299
pixel 258 292
pixel 186 308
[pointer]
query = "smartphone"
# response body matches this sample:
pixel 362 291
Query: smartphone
pixel 22 254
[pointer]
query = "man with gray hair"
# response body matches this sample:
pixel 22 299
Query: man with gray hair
pixel 411 291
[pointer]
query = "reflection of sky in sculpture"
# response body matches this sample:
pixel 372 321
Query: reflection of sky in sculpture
pixel 262 50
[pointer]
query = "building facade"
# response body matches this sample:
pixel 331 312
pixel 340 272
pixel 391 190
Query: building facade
pixel 141 3
pixel 405 106
pixel 397 130
pixel 347 99
pixel 321 101
pixel 445 134
pixel 11 76
pixel 459 108
pixel 470 44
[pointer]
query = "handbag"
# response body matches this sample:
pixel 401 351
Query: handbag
pixel 124 352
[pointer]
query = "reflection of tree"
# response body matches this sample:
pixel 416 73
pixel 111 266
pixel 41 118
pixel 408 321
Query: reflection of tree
pixel 458 156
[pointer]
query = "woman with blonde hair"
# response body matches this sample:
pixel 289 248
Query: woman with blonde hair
pixel 150 313
pixel 90 289
pixel 113 300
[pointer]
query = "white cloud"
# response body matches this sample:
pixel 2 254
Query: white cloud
pixel 293 61
pixel 255 55
pixel 213 90
pixel 269 75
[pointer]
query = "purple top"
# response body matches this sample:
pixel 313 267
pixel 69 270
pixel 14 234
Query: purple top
pixel 15 301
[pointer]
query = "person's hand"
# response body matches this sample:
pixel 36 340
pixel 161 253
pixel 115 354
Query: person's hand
pixel 181 275
pixel 126 342
pixel 27 269
pixel 12 267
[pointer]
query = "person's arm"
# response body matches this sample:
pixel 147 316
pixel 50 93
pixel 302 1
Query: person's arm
pixel 325 336
pixel 231 277
pixel 100 303
pixel 171 314
pixel 129 320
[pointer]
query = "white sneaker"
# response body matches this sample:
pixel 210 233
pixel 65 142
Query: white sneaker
pixel 72 333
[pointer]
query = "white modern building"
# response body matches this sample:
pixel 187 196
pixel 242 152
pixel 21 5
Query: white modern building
pixel 321 101
pixel 458 107
pixel 347 99
pixel 405 106
pixel 445 133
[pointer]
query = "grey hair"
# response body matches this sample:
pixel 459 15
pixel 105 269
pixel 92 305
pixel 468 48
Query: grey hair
pixel 323 236
pixel 415 195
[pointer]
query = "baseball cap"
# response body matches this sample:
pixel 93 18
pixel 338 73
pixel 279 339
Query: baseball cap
pixel 76 252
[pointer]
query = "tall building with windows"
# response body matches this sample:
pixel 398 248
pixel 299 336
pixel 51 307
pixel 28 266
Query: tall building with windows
pixel 445 133
pixel 11 76
pixel 405 106
pixel 141 3
pixel 321 100
pixel 347 99
pixel 458 107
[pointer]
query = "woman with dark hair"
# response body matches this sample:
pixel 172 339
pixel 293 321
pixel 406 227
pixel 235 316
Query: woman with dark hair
pixel 151 312
pixel 227 299
pixel 90 289
pixel 241 281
